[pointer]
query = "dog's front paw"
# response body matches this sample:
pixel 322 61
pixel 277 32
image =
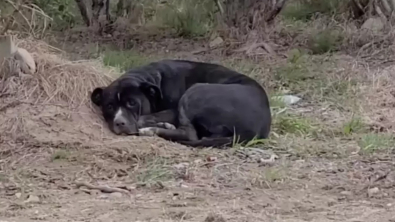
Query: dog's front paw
pixel 147 131
pixel 166 126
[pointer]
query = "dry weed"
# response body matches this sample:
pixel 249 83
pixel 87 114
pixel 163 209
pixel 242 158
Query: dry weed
pixel 56 80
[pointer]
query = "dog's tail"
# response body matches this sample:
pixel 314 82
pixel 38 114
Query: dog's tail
pixel 218 142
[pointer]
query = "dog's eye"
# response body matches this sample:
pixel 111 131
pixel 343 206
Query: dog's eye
pixel 131 104
pixel 110 107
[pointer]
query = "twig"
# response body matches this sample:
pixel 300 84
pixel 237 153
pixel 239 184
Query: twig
pixel 103 189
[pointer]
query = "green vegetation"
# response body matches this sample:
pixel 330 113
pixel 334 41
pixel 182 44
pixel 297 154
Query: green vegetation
pixel 374 142
pixel 305 10
pixel 324 41
pixel 187 18
pixel 60 155
pixel 355 125
pixel 63 12
pixel 154 171
pixel 286 123
pixel 124 59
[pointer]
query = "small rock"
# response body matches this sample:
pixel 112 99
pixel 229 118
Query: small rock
pixel 115 195
pixel 288 99
pixel 103 196
pixel 272 159
pixel 373 24
pixel 18 195
pixel 216 42
pixel 198 161
pixel 373 191
pixel 32 199
pixel 211 158
pixel 346 193
pixel 131 188
pixel 183 185
pixel 181 166
pixel 389 205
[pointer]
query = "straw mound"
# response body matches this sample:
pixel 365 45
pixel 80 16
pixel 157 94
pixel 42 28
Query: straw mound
pixel 51 108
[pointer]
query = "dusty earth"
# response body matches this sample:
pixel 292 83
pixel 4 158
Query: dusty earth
pixel 48 147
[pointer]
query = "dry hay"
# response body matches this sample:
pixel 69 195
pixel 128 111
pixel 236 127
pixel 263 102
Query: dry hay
pixel 57 80
pixel 379 100
pixel 52 109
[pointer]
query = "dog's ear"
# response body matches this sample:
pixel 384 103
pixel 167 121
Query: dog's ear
pixel 96 96
pixel 151 90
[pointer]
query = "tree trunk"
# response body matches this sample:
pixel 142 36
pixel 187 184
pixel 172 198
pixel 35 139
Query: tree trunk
pixel 95 13
pixel 124 8
pixel 86 11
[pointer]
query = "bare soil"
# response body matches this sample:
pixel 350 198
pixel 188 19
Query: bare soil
pixel 57 146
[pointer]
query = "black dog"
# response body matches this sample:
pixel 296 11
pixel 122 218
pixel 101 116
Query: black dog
pixel 209 104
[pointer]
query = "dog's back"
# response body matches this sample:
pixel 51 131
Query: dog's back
pixel 176 76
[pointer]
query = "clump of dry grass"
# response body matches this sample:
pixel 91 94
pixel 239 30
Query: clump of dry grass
pixel 380 100
pixel 56 81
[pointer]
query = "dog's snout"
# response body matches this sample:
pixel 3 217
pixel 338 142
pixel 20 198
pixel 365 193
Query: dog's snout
pixel 120 122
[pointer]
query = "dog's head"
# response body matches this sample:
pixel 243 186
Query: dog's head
pixel 122 104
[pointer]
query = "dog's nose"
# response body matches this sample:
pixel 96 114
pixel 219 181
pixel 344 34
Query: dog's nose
pixel 120 122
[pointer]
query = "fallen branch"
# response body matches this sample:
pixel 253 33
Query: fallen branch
pixel 103 189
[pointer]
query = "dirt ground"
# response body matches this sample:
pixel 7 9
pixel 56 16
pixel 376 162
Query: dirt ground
pixel 47 149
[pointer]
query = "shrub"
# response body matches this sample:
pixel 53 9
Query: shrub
pixel 189 18
pixel 306 9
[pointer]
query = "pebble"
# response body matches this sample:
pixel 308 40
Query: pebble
pixel 32 199
pixel 373 191
pixel 211 158
pixel 198 161
pixel 115 195
pixel 181 165
pixel 346 193
pixel 18 195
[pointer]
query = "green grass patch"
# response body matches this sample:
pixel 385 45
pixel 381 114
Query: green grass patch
pixel 153 172
pixel 63 12
pixel 252 143
pixel 284 124
pixel 355 125
pixel 60 155
pixel 125 60
pixel 311 77
pixel 305 10
pixel 324 41
pixel 372 142
pixel 296 69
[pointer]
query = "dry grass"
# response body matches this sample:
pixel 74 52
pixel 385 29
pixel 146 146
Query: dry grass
pixel 57 81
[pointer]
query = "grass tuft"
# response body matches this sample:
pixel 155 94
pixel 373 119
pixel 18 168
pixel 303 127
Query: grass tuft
pixel 124 60
pixel 372 142
pixel 153 172
pixel 60 155
pixel 355 125
pixel 324 41
pixel 284 124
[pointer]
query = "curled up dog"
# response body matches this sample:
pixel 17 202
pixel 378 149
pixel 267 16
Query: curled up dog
pixel 207 103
